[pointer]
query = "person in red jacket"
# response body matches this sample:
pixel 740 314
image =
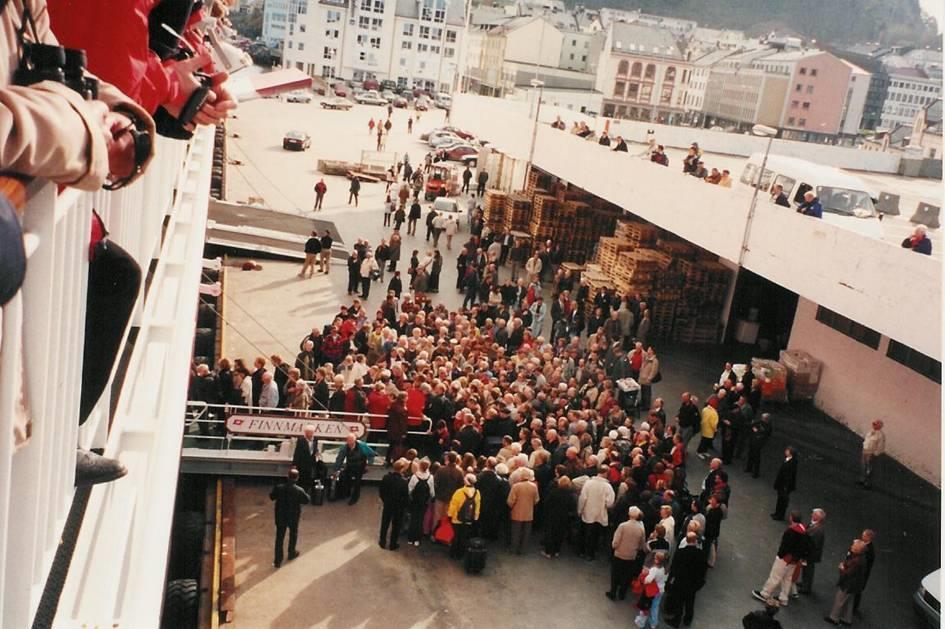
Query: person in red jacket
pixel 416 401
pixel 378 403
pixel 396 428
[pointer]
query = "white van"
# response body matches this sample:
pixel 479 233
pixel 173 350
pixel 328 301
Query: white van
pixel 847 200
pixel 443 100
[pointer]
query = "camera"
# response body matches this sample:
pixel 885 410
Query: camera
pixel 46 62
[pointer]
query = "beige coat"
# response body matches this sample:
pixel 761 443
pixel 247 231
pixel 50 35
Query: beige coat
pixel 628 540
pixel 47 130
pixel 649 369
pixel 522 500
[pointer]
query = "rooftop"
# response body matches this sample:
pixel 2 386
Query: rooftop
pixel 645 40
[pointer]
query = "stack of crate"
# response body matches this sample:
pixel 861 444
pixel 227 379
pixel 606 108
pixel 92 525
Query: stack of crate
pixel 596 278
pixel 545 219
pixel 493 209
pixel 518 209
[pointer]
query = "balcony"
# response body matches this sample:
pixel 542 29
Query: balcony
pixel 161 217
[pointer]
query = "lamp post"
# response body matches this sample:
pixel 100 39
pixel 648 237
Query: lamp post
pixel 765 132
pixel 531 149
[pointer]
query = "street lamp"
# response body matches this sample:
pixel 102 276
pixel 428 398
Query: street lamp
pixel 535 83
pixel 766 132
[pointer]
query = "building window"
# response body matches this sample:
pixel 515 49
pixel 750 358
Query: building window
pixel 422 48
pixel 798 87
pixel 406 45
pixel 424 32
pixel 408 30
pixel 650 73
pixel 301 45
pixel 795 104
pixel 916 361
pixel 403 62
pixel 401 82
pixel 670 74
pixel 426 10
pixel 805 105
pixel 434 50
pixel 364 22
pixel 290 43
pixel 422 65
pixel 848 327
pixel 583 57
pixel 803 71
pixel 365 5
pixel 378 6
pixel 436 33
pixel 619 88
pixel 362 56
pixel 666 97
pixel 449 52
pixel 790 121
pixel 633 91
pixel 572 56
pixel 646 91
pixel 329 53
pixel 376 23
pixel 450 37
pixel 623 67
pixel 361 39
pixel 301 28
pixel 636 70
pixel 810 89
pixel 802 122
pixel 375 42
pixel 333 16
pixel 813 71
pixel 328 71
pixel 439 14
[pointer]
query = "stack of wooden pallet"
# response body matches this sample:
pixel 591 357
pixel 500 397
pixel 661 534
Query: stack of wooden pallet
pixel 518 209
pixel 636 271
pixel 638 233
pixel 607 252
pixel 493 208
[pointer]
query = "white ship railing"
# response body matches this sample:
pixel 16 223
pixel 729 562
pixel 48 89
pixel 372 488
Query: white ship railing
pixel 43 327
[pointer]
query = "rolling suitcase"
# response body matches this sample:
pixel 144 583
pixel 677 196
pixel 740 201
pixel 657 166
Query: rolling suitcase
pixel 331 490
pixel 475 559
pixel 318 494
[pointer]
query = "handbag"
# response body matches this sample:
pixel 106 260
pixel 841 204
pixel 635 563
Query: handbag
pixel 444 532
pixel 657 378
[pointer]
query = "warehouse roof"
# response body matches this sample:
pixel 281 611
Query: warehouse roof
pixel 645 40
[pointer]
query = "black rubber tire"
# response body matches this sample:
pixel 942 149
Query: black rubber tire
pixel 181 604
pixel 187 545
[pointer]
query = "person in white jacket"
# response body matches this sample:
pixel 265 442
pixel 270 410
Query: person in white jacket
pixel 451 227
pixel 874 445
pixel 419 500
pixel 596 498
pixel 656 574
pixel 368 267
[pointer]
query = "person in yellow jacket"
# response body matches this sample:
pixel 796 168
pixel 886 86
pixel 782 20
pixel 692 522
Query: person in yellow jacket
pixel 709 426
pixel 464 513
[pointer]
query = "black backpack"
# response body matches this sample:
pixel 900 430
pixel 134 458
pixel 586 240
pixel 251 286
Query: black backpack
pixel 467 512
pixel 421 492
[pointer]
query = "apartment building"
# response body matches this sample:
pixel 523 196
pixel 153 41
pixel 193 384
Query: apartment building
pixel 277 16
pixel 910 89
pixel 642 73
pixel 414 42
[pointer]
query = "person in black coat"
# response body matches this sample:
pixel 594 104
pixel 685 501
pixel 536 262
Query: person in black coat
pixel 469 438
pixel 488 485
pixel 305 458
pixel 758 435
pixel 763 618
pixel 394 495
pixel 351 465
pixel 686 578
pixel 288 498
pixel 785 482
pixel 560 509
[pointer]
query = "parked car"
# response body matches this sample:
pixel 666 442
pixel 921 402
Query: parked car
pixel 388 95
pixel 443 138
pixel 298 96
pixel 421 104
pixel 443 100
pixel 371 85
pixel 400 102
pixel 370 97
pixel 336 103
pixel 341 90
pixel 447 205
pixel 462 153
pixel 387 84
pixel 296 141
pixel 926 599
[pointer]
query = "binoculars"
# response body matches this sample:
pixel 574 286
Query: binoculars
pixel 45 62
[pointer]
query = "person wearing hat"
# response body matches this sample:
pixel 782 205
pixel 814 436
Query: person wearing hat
pixel 763 618
pixel 874 445
pixel 464 513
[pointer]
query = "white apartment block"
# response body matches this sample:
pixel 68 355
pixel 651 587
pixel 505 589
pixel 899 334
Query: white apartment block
pixel 276 18
pixel 910 89
pixel 414 42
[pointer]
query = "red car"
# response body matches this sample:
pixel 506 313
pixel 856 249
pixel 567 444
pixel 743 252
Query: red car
pixel 341 90
pixel 460 153
pixel 370 84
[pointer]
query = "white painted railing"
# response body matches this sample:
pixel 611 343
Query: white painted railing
pixel 43 329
